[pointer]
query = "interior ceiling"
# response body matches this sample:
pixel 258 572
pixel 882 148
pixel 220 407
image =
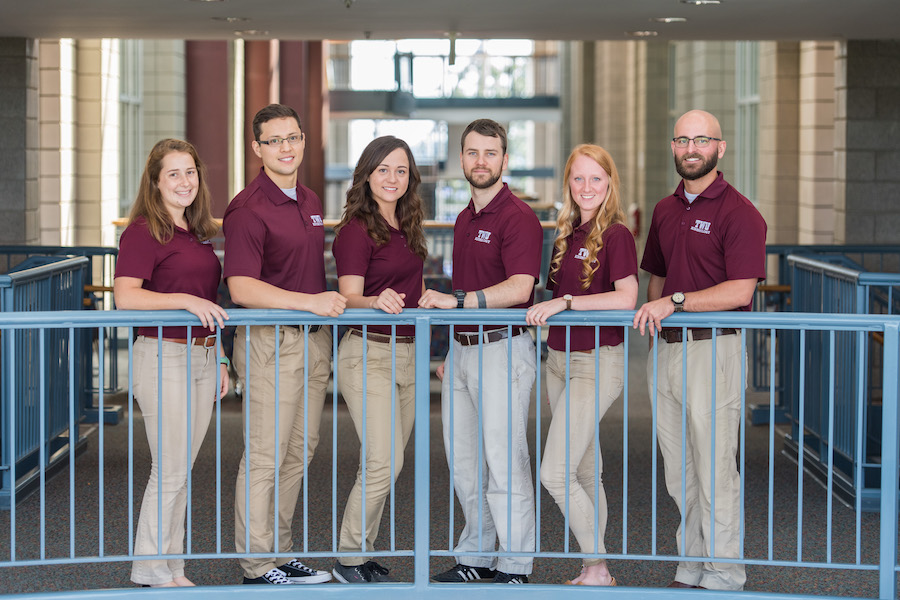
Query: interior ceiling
pixel 393 19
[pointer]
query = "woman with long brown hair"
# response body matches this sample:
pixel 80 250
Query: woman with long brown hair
pixel 380 251
pixel 166 262
pixel 594 267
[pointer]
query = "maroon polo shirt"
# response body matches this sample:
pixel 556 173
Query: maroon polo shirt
pixel 183 265
pixel 617 260
pixel 489 247
pixel 391 265
pixel 271 237
pixel 719 237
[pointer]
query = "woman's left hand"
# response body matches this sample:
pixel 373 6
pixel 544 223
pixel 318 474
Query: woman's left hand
pixel 224 381
pixel 539 313
pixel 389 301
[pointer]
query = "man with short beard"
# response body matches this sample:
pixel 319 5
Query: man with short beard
pixel 496 261
pixel 706 251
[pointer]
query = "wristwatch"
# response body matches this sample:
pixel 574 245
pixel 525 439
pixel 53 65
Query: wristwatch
pixel 460 298
pixel 678 301
pixel 568 299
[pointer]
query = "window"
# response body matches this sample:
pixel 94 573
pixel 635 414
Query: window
pixel 131 127
pixel 747 117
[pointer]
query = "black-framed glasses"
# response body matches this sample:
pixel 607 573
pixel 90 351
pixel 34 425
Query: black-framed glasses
pixel 701 141
pixel 277 141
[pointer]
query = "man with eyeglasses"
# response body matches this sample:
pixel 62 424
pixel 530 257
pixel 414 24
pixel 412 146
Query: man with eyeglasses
pixel 274 244
pixel 706 251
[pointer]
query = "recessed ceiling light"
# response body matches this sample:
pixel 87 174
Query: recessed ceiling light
pixel 642 34
pixel 668 19
pixel 230 19
pixel 246 32
pixel 701 2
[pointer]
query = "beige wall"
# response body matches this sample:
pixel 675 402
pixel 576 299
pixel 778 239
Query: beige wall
pixel 704 79
pixel 97 154
pixel 779 139
pixel 164 102
pixel 32 143
pixel 57 142
pixel 816 177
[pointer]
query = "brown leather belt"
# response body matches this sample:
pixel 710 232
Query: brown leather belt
pixel 206 342
pixel 384 338
pixel 495 335
pixel 312 328
pixel 674 336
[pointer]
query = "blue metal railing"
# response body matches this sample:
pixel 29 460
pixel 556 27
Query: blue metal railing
pixel 832 287
pixel 775 295
pixel 816 547
pixel 37 382
pixel 97 280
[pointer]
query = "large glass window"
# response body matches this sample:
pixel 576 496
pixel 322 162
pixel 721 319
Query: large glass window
pixel 747 117
pixel 470 69
pixel 131 93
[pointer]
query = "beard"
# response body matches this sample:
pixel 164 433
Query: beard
pixel 693 171
pixel 485 181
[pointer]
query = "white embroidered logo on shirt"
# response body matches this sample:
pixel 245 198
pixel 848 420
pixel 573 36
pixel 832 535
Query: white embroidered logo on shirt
pixel 483 236
pixel 317 221
pixel 701 226
pixel 582 254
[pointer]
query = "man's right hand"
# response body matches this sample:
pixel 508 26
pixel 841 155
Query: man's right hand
pixel 327 304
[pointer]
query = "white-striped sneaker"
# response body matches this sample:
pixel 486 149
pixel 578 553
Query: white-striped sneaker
pixel 462 573
pixel 273 576
pixel 296 572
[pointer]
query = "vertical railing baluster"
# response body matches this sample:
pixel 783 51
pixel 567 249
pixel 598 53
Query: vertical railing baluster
pixel 887 574
pixel 422 501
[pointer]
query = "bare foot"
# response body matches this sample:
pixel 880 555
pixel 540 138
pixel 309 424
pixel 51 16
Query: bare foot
pixel 183 582
pixel 595 575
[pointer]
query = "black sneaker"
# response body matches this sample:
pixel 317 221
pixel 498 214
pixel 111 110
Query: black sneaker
pixel 275 576
pixel 510 578
pixel 297 572
pixel 463 573
pixel 377 573
pixel 371 572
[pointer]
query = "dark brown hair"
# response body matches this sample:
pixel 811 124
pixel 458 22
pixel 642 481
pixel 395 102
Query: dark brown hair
pixel 270 112
pixel 487 128
pixel 362 205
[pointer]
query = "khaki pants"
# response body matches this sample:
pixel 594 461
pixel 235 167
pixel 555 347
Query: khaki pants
pixel 376 376
pixel 164 405
pixel 268 419
pixel 494 402
pixel 697 538
pixel 584 413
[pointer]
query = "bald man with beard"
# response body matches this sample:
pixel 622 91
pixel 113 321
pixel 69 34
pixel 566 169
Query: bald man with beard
pixel 706 251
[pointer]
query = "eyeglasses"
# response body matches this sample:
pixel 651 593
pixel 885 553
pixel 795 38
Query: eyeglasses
pixel 701 141
pixel 277 141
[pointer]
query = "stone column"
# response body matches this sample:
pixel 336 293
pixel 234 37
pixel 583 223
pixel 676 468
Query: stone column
pixel 867 142
pixel 816 169
pixel 19 141
pixel 779 138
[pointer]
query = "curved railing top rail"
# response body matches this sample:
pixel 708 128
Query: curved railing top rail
pixel 41 271
pixel 854 275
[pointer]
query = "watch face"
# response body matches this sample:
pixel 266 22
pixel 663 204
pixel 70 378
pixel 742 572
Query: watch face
pixel 678 298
